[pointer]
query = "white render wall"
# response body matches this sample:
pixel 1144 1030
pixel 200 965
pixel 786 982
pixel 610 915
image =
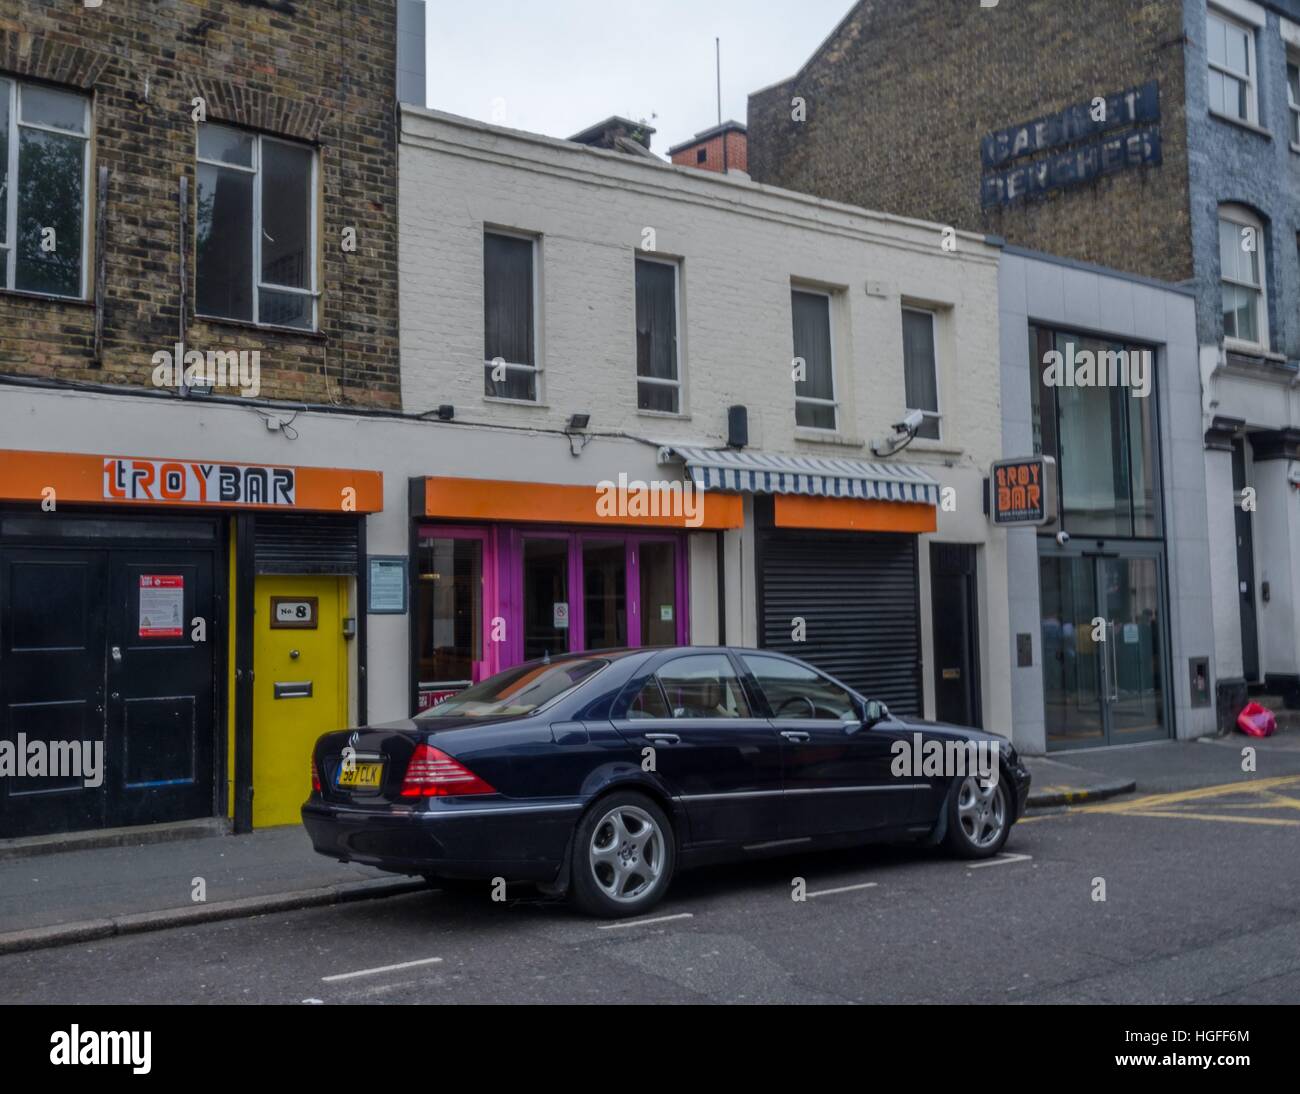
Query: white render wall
pixel 741 246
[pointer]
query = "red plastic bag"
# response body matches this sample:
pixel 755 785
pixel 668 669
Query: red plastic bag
pixel 1256 720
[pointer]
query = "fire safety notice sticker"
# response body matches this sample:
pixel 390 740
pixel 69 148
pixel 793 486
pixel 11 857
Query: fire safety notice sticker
pixel 162 605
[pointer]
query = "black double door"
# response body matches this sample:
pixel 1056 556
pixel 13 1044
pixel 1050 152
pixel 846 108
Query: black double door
pixel 107 676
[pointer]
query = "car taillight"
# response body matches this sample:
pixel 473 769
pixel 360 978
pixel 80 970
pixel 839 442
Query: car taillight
pixel 315 776
pixel 433 774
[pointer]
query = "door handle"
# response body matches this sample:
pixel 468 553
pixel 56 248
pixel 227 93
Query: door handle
pixel 1114 666
pixel 116 654
pixel 798 736
pixel 666 738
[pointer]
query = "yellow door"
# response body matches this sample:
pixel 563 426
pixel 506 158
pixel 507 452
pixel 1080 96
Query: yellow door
pixel 300 674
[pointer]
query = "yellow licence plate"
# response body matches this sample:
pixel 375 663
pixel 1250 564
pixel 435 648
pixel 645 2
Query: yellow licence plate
pixel 361 776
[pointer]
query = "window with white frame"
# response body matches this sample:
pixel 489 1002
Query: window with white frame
pixel 658 371
pixel 255 241
pixel 510 316
pixel 1230 47
pixel 44 186
pixel 1293 97
pixel 1241 270
pixel 814 386
pixel 921 369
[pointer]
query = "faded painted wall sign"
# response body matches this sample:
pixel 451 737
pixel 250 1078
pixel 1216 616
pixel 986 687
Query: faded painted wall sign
pixel 1088 142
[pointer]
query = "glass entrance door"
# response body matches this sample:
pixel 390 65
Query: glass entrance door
pixel 1103 649
pixel 546 568
pixel 1134 671
pixel 453 588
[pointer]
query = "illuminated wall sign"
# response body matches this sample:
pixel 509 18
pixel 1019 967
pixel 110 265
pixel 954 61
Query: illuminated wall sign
pixel 1085 143
pixel 1023 491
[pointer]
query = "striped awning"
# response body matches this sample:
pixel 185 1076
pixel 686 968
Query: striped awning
pixel 736 470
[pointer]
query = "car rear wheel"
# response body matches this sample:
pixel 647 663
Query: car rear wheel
pixel 623 856
pixel 979 818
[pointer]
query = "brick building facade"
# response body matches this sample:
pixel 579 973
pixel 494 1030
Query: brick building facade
pixel 889 114
pixel 313 85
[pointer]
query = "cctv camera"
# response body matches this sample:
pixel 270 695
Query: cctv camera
pixel 1062 538
pixel 911 423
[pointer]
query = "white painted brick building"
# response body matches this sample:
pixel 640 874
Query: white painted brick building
pixel 739 248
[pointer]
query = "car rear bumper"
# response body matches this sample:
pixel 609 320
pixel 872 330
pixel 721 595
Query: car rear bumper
pixel 510 840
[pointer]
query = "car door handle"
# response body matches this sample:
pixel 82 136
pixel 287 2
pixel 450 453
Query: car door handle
pixel 666 738
pixel 798 736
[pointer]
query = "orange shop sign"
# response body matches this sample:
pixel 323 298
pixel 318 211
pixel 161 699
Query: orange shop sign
pixel 134 480
pixel 1023 491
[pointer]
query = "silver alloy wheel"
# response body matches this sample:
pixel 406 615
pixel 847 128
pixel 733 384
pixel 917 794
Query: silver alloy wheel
pixel 626 853
pixel 981 811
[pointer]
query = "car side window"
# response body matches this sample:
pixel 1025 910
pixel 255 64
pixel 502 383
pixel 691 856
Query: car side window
pixel 703 686
pixel 795 691
pixel 649 702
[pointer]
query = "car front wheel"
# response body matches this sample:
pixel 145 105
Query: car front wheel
pixel 979 818
pixel 623 856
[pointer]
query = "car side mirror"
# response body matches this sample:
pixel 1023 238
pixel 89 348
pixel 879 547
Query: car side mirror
pixel 873 711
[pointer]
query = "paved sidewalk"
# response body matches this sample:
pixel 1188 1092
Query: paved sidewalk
pixel 1056 782
pixel 1158 767
pixel 107 886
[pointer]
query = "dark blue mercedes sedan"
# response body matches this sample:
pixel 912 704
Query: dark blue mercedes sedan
pixel 597 775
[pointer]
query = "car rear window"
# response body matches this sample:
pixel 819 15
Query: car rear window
pixel 518 691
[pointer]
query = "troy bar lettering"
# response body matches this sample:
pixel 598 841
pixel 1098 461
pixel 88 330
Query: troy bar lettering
pixel 172 482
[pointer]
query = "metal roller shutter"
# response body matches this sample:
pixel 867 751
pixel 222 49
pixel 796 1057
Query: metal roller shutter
pixel 305 543
pixel 859 596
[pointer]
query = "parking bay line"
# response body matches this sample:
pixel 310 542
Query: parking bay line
pixel 381 968
pixel 842 889
pixel 1000 860
pixel 644 922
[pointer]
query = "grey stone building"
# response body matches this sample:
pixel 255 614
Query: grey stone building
pixel 1161 138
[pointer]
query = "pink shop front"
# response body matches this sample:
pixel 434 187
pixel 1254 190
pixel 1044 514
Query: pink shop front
pixel 505 572
pixel 491 596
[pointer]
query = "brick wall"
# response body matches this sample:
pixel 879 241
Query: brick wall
pixel 900 95
pixel 736 158
pixel 319 72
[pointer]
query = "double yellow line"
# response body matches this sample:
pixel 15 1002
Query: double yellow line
pixel 1158 805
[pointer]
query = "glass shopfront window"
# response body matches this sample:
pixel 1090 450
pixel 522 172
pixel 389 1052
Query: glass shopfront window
pixel 449 612
pixel 493 596
pixel 546 596
pixel 1102 435
pixel 604 593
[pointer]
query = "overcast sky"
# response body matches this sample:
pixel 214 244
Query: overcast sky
pixel 558 66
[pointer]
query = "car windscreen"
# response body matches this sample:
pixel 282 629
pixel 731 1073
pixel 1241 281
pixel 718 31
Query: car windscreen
pixel 517 691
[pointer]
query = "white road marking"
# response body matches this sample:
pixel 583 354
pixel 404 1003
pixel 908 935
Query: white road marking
pixel 998 860
pixel 644 922
pixel 382 968
pixel 842 889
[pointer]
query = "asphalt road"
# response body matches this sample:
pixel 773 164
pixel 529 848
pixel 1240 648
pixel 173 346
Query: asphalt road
pixel 1202 905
